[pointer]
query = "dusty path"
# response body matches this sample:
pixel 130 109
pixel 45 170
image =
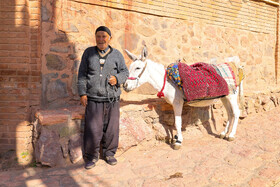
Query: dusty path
pixel 253 159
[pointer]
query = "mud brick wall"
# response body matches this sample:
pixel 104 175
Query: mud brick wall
pixel 20 72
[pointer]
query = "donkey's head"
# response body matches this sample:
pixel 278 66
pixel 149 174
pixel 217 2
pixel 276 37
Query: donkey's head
pixel 137 75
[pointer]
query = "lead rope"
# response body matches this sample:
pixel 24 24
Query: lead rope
pixel 111 100
pixel 161 94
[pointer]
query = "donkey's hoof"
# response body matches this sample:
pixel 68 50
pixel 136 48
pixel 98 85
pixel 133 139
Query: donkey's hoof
pixel 177 146
pixel 168 140
pixel 230 139
pixel 222 136
pixel 175 139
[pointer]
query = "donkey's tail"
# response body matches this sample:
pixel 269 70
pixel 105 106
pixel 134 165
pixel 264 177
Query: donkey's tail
pixel 240 75
pixel 243 112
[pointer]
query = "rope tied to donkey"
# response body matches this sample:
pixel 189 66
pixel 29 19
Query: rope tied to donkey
pixel 161 94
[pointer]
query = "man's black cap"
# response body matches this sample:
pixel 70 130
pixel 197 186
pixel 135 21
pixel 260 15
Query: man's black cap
pixel 103 28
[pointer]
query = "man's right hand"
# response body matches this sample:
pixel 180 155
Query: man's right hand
pixel 84 100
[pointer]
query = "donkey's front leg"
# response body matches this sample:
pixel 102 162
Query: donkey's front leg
pixel 178 124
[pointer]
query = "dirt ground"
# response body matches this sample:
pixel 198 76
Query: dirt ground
pixel 253 159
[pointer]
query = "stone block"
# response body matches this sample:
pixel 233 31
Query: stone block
pixel 57 131
pixel 55 62
pixel 75 148
pixel 51 117
pixel 64 146
pixel 129 41
pixel 48 150
pixel 160 131
pixel 59 49
pixel 133 130
pixel 250 106
pixel 165 107
pixel 268 106
pixel 56 90
pixel 145 31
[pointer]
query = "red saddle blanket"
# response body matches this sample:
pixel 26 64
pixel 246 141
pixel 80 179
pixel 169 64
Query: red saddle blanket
pixel 201 81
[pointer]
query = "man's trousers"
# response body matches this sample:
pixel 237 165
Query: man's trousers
pixel 101 126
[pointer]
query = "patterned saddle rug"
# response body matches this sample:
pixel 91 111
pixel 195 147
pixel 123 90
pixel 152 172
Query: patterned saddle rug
pixel 198 81
pixel 173 75
pixel 232 74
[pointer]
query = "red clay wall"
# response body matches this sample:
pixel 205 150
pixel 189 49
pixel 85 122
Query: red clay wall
pixel 20 69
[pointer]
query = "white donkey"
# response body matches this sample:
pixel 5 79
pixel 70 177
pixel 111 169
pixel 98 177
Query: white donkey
pixel 143 70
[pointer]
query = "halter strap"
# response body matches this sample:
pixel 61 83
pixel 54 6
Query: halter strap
pixel 134 78
pixel 161 94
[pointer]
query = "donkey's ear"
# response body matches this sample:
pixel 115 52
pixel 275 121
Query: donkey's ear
pixel 130 55
pixel 144 53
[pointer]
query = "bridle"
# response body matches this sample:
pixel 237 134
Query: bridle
pixel 160 93
pixel 139 76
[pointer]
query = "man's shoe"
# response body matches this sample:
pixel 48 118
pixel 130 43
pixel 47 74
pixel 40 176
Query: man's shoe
pixel 111 160
pixel 89 164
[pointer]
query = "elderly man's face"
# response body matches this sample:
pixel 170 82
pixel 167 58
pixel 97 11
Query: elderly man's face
pixel 102 39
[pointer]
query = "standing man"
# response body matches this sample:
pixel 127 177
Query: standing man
pixel 102 71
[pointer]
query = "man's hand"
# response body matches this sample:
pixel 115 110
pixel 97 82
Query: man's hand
pixel 113 80
pixel 83 100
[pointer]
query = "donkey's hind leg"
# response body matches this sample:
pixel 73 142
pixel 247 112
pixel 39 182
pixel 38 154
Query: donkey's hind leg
pixel 169 134
pixel 236 114
pixel 231 105
pixel 226 104
pixel 178 107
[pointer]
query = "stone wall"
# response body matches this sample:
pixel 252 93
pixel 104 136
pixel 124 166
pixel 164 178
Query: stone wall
pixel 58 135
pixel 58 132
pixel 200 31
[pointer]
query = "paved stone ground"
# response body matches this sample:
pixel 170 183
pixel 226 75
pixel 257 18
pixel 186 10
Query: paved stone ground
pixel 253 159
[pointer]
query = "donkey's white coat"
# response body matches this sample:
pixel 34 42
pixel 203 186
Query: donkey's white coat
pixel 153 73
